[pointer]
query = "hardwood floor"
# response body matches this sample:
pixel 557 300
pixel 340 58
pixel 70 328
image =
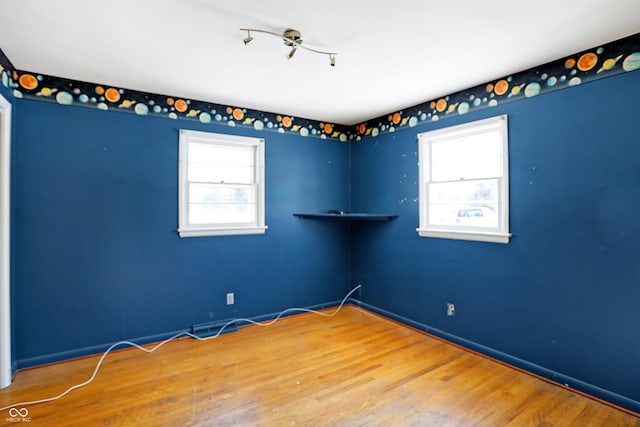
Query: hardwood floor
pixel 354 369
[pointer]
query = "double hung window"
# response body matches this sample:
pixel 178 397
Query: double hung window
pixel 221 187
pixel 464 181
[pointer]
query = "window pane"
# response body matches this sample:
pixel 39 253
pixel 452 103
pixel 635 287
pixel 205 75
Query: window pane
pixel 220 155
pixel 207 193
pixel 467 157
pixel 199 172
pixel 464 203
pixel 222 214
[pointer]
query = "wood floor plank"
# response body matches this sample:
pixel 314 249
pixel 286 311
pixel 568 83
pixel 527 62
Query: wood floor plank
pixel 354 369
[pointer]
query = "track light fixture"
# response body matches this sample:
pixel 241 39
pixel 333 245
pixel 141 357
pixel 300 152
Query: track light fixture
pixel 292 53
pixel 248 40
pixel 291 38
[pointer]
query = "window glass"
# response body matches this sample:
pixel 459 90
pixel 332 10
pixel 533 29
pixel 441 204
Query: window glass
pixel 221 184
pixel 464 181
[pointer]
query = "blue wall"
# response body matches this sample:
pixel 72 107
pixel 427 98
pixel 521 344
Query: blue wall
pixel 564 293
pixel 96 255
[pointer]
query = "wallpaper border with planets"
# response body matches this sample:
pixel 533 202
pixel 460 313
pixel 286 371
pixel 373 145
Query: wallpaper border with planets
pixel 42 87
pixel 593 64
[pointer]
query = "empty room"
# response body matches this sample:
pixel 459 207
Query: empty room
pixel 274 213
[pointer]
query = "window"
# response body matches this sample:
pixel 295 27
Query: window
pixel 221 188
pixel 464 182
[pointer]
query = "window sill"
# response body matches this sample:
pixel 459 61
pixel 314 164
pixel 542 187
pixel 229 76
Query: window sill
pixel 465 235
pixel 226 231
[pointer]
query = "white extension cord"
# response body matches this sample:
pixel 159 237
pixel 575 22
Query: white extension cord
pixel 160 344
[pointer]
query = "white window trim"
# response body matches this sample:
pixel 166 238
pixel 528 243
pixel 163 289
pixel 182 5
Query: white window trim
pixel 5 243
pixel 187 230
pixel 467 233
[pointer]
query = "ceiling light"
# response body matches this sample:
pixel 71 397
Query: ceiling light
pixel 291 38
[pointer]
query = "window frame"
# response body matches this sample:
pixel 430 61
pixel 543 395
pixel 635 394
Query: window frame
pixel 186 229
pixel 498 234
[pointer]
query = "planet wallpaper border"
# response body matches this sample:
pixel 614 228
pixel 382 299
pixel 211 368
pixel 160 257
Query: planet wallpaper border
pixel 610 59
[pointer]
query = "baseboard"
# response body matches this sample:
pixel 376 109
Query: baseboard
pixel 288 312
pixel 90 351
pixel 99 349
pixel 589 390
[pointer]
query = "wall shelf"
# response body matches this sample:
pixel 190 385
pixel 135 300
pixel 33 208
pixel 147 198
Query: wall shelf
pixel 347 216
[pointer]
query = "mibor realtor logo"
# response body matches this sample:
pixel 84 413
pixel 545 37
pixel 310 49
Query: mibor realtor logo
pixel 18 415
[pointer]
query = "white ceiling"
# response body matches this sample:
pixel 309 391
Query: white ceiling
pixel 391 54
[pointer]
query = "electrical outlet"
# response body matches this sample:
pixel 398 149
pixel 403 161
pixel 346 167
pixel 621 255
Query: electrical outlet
pixel 451 309
pixel 230 298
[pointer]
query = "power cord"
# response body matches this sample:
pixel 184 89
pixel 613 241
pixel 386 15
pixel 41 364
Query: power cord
pixel 178 335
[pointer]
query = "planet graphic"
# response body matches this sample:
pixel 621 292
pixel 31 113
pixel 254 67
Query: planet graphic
pixel 304 132
pixel 587 61
pixel 28 82
pixel 64 98
pixel 463 108
pixel 181 105
pixel 141 109
pixel 238 114
pixel 205 117
pixel 574 81
pixel 112 95
pixel 532 89
pixel 258 125
pixel 631 62
pixel 501 87
pixel 609 64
